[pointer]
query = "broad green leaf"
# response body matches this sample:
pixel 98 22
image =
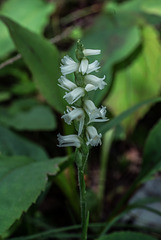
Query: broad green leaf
pixel 36 118
pixel 138 80
pixel 42 59
pixel 126 236
pixel 145 6
pixel 116 38
pixel 23 104
pixel 21 181
pixel 33 15
pixel 152 153
pixel 12 144
pixel 118 119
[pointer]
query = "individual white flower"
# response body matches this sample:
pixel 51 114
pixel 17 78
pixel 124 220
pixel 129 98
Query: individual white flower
pixel 94 81
pixel 74 95
pixel 83 66
pixel 69 141
pixel 93 67
pixel 66 84
pixel 68 65
pixel 90 52
pixel 95 114
pixel 93 138
pixel 76 113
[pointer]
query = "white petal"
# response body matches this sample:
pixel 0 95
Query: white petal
pixel 93 67
pixel 66 60
pixel 69 141
pixel 83 66
pixel 96 81
pixel 90 52
pixel 89 106
pixel 92 136
pixel 74 95
pixel 66 84
pixel 76 113
pixel 67 69
pixel 90 87
pixel 81 125
pixel 95 114
pixel 68 65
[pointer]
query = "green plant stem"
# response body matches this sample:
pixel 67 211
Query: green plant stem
pixel 81 160
pixel 83 203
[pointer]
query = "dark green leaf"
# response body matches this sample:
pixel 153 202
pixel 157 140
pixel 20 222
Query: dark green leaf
pixel 117 38
pixel 42 59
pixel 12 144
pixel 152 153
pixel 21 181
pixel 36 118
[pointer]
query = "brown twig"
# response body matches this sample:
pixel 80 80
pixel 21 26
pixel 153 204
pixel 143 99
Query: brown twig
pixel 81 13
pixel 10 61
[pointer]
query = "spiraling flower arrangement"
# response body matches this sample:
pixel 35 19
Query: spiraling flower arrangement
pixel 83 112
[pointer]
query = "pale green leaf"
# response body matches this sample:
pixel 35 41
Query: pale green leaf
pixel 145 6
pixel 139 79
pixel 33 15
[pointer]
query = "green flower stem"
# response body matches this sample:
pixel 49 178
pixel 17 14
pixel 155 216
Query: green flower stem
pixel 81 159
pixel 83 204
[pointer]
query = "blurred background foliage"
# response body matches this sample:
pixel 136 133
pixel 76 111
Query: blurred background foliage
pixel 35 34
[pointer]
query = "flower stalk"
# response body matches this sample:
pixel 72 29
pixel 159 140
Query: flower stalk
pixel 83 112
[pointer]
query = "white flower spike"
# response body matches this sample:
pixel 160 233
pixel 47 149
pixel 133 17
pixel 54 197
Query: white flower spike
pixel 66 84
pixel 83 110
pixel 93 138
pixel 91 52
pixel 69 141
pixel 68 65
pixel 74 95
